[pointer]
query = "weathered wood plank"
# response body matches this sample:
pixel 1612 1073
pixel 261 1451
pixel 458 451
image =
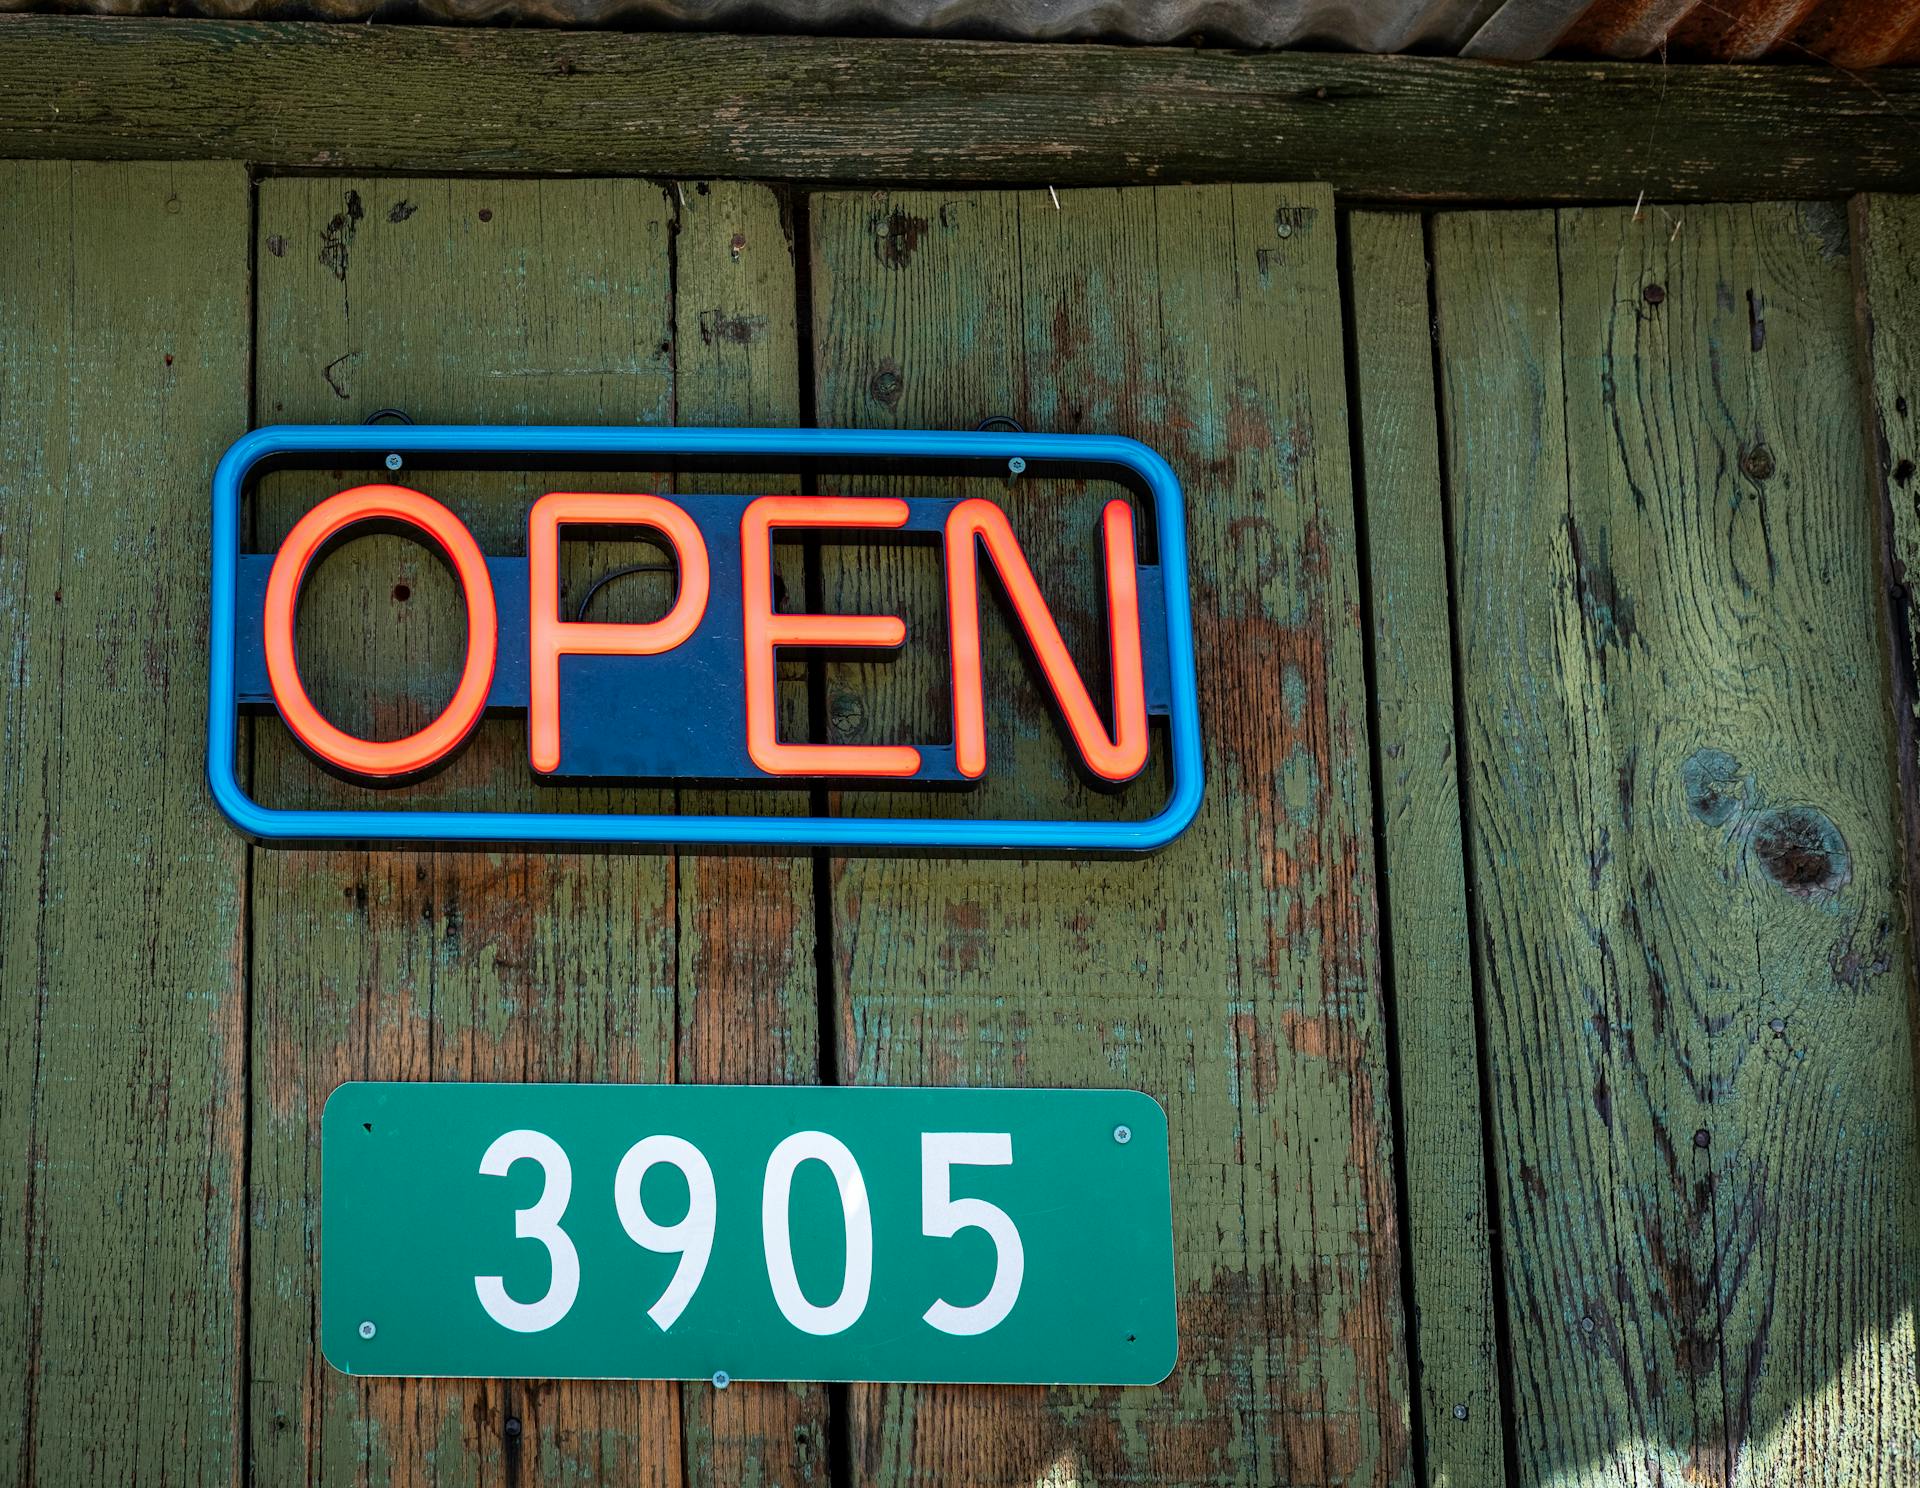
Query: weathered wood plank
pixel 1232 976
pixel 458 302
pixel 1423 875
pixel 1683 844
pixel 1886 271
pixel 540 302
pixel 425 98
pixel 123 373
pixel 749 995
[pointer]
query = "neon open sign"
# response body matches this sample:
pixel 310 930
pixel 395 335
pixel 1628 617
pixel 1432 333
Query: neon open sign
pixel 692 695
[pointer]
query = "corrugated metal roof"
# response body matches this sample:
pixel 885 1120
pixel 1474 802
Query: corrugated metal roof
pixel 1846 33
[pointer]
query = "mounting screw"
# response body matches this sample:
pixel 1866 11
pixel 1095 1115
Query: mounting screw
pixel 1016 466
pixel 367 1330
pixel 1123 1135
pixel 393 462
pixel 721 1379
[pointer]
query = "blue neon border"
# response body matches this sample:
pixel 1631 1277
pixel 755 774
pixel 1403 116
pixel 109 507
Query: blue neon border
pixel 567 829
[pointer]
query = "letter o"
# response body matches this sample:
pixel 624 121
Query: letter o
pixel 368 757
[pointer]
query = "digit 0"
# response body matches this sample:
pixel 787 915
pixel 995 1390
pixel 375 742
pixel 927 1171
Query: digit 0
pixel 776 1201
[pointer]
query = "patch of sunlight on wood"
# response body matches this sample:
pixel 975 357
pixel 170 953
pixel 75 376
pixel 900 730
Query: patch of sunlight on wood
pixel 1829 1438
pixel 1062 1472
pixel 1838 1434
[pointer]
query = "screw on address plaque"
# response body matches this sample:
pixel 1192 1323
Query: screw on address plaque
pixel 721 1379
pixel 367 1330
pixel 1123 1134
pixel 393 462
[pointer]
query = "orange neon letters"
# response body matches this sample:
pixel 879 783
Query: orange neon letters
pixel 1117 757
pixel 368 757
pixel 767 629
pixel 551 637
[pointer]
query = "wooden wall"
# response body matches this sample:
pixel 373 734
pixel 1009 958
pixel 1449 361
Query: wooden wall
pixel 1532 1001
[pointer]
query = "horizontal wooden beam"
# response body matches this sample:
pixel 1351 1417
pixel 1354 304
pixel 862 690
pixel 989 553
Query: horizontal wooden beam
pixel 405 98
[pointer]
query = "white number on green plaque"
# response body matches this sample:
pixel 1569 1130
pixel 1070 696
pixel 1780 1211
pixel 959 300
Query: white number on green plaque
pixel 542 1223
pixel 942 1215
pixel 775 1201
pixel 691 1238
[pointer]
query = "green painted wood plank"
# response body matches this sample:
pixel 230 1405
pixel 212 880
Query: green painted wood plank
pixel 1683 844
pixel 1232 976
pixel 525 302
pixel 123 373
pixel 534 302
pixel 749 996
pixel 1423 876
pixel 901 110
pixel 1886 267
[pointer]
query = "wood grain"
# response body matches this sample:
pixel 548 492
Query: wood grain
pixel 1886 273
pixel 505 302
pixel 1886 239
pixel 1684 844
pixel 1232 976
pixel 426 98
pixel 1423 872
pixel 749 997
pixel 123 374
pixel 554 304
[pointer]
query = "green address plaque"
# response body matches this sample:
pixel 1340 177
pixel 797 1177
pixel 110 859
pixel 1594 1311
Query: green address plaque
pixel 746 1233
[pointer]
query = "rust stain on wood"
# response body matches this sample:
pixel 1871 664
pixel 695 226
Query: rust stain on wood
pixel 1232 976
